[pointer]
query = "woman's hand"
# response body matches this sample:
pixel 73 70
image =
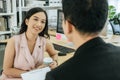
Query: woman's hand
pixel 53 65
pixel 41 66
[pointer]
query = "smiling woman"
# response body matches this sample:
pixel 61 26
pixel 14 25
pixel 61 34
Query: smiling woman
pixel 25 51
pixel 33 17
pixel 36 23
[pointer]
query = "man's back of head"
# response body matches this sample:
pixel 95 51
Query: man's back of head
pixel 88 16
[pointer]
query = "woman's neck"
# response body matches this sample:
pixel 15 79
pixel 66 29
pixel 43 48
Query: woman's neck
pixel 31 37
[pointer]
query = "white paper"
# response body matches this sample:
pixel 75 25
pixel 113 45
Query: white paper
pixel 38 74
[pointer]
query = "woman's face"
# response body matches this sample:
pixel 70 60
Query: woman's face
pixel 36 23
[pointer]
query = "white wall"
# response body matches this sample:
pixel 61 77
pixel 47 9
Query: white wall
pixel 116 3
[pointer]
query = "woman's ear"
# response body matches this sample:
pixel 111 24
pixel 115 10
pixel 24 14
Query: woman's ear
pixel 26 21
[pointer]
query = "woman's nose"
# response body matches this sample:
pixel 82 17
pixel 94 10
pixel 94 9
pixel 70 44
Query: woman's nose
pixel 39 23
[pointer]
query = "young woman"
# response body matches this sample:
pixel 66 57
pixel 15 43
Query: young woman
pixel 25 52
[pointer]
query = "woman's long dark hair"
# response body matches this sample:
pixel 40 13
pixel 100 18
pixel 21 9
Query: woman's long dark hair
pixel 32 11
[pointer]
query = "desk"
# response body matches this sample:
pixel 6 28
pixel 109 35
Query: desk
pixel 61 59
pixel 114 39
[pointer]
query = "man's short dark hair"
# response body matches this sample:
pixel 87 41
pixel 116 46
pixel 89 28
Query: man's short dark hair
pixel 86 15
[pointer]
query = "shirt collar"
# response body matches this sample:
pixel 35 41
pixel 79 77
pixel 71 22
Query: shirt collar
pixel 88 45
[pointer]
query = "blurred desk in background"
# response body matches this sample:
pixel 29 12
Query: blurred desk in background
pixel 113 39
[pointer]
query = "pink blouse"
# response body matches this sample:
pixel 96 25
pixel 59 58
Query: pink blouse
pixel 23 58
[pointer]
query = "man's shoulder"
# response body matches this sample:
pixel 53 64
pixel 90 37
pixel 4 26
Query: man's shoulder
pixel 111 47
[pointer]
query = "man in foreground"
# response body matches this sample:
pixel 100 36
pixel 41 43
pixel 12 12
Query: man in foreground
pixel 94 59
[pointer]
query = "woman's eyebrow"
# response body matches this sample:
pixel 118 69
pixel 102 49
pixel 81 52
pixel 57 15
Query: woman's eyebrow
pixel 39 18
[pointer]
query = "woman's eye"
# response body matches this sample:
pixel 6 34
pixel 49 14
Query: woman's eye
pixel 36 19
pixel 43 21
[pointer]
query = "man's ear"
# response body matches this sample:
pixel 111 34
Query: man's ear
pixel 69 27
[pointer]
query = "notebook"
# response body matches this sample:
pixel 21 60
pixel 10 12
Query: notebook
pixel 38 74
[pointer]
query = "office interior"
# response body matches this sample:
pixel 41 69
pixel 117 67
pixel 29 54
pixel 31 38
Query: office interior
pixel 11 16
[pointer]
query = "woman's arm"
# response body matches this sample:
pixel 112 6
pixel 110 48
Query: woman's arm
pixel 9 56
pixel 52 53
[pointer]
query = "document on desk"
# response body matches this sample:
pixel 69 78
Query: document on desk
pixel 38 74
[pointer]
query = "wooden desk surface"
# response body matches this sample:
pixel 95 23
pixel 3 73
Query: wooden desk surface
pixel 62 59
pixel 114 39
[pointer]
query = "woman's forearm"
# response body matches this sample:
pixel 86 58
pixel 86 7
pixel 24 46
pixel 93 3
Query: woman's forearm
pixel 13 72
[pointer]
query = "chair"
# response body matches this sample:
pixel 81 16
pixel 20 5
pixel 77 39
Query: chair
pixel 2 50
pixel 115 23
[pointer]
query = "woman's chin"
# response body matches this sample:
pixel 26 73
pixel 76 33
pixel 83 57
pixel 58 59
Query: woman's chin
pixel 35 33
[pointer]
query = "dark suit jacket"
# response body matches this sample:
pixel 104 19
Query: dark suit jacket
pixel 94 60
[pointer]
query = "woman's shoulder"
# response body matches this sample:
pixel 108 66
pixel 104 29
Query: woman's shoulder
pixel 18 37
pixel 14 38
pixel 11 40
